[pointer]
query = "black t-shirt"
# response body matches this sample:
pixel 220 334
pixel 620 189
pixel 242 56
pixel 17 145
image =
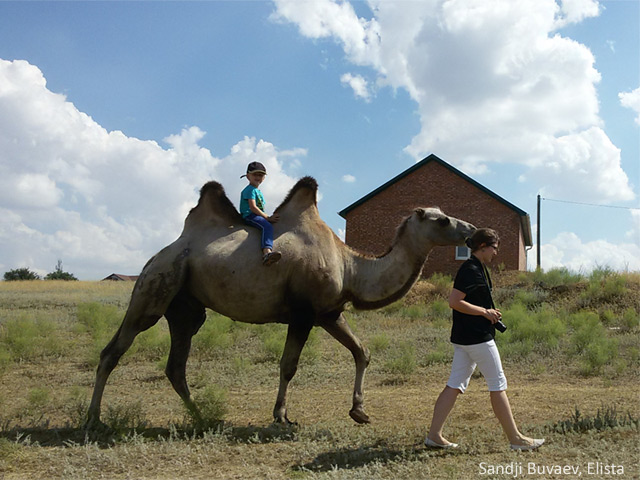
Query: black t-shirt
pixel 473 329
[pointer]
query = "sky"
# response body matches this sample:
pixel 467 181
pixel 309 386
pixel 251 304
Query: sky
pixel 114 114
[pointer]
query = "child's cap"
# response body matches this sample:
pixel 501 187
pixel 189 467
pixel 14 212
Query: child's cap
pixel 255 167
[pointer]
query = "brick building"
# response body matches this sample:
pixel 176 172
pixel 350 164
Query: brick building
pixel 371 221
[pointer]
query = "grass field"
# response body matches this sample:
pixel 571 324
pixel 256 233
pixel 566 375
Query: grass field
pixel 571 355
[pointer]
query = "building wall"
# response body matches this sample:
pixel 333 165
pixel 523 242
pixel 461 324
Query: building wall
pixel 370 227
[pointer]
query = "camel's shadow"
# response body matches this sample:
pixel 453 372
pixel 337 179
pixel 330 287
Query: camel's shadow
pixel 349 458
pixel 105 437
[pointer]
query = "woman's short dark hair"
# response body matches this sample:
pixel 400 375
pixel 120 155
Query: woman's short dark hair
pixel 481 236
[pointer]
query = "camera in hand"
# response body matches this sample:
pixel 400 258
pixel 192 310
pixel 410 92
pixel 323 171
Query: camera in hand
pixel 501 327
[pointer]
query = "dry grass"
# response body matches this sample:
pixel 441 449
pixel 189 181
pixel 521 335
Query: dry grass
pixel 41 397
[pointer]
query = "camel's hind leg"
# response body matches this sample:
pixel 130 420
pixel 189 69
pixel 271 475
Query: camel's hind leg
pixel 185 316
pixel 297 335
pixel 131 326
pixel 339 329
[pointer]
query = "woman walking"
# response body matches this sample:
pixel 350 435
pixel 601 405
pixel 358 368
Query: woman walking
pixel 475 319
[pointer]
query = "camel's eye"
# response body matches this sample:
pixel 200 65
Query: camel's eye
pixel 444 221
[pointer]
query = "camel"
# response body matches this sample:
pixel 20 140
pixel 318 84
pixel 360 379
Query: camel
pixel 216 264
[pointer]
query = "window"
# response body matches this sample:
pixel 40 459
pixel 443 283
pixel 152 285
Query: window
pixel 463 253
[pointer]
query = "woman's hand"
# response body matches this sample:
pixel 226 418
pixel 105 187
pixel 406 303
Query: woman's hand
pixel 493 315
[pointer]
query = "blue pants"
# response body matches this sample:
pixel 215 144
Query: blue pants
pixel 266 228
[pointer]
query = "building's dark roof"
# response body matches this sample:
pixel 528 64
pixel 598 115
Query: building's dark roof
pixel 120 277
pixel 524 216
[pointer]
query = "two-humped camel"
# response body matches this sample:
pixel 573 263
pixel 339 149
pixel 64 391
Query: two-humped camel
pixel 215 263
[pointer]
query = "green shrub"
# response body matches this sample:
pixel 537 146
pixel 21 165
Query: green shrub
pixel 442 283
pixel 379 343
pixel 101 322
pixel 530 298
pixel 606 417
pixel 440 353
pixel 604 286
pixel 5 360
pixel 76 407
pixel 27 338
pixel 34 410
pixel 214 335
pixel 630 319
pixel 211 404
pixel 122 417
pixel 273 339
pixel 591 342
pixel 391 309
pixel 538 331
pixel 556 277
pixel 152 343
pixel 402 360
pixel 413 312
pixel 440 313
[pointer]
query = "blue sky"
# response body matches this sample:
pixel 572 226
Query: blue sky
pixel 113 114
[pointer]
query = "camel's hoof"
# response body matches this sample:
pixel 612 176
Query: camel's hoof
pixel 359 416
pixel 95 425
pixel 285 421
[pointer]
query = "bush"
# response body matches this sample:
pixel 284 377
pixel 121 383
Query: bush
pixel 211 404
pixel 20 274
pixel 441 353
pixel 126 417
pixel 591 343
pixel 442 283
pixel 413 312
pixel 605 286
pixel 532 331
pixel 402 360
pixel 605 418
pixel 101 322
pixel 630 319
pixel 532 298
pixel 556 277
pixel 379 343
pixel 59 274
pixel 216 334
pixel 28 338
pixel 440 313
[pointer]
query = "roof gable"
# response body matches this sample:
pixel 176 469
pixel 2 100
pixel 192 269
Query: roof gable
pixel 525 221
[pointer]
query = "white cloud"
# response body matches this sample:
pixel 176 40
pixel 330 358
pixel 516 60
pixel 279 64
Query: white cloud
pixel 348 178
pixel 494 81
pixel 101 201
pixel 359 85
pixel 631 100
pixel 567 250
pixel 574 11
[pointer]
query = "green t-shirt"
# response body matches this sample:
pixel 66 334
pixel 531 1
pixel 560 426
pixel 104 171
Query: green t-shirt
pixel 248 193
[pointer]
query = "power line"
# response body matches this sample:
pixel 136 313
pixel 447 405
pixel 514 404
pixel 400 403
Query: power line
pixel 590 204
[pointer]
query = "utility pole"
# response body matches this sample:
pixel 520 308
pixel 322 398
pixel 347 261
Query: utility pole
pixel 538 237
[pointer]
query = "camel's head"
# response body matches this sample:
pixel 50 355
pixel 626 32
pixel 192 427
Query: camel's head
pixel 433 227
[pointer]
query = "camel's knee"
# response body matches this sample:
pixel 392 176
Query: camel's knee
pixel 176 372
pixel 288 371
pixel 362 356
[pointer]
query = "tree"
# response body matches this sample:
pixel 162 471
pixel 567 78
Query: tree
pixel 20 274
pixel 60 274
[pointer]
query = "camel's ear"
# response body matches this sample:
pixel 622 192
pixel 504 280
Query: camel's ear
pixel 421 212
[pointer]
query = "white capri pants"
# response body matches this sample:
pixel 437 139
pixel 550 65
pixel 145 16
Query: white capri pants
pixel 486 357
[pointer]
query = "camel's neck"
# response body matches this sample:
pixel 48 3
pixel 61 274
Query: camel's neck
pixel 376 282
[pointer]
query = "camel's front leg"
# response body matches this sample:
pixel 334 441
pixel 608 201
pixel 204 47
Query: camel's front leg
pixel 297 335
pixel 339 329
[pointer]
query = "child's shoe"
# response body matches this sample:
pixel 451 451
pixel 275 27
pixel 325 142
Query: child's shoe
pixel 271 258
